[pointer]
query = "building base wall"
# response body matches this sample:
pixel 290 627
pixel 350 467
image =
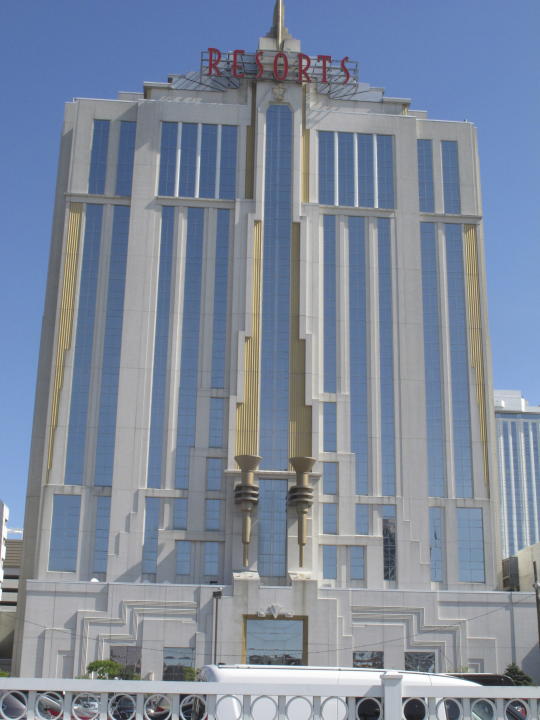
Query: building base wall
pixel 68 625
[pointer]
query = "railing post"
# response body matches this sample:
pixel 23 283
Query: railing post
pixel 391 682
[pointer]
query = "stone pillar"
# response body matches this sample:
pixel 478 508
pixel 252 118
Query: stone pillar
pixel 246 496
pixel 301 497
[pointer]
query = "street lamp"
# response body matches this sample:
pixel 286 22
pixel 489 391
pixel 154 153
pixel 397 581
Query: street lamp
pixel 217 595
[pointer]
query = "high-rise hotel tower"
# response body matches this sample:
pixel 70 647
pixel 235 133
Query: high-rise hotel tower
pixel 264 390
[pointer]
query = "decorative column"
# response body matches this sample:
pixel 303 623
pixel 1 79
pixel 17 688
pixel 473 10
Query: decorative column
pixel 301 496
pixel 246 496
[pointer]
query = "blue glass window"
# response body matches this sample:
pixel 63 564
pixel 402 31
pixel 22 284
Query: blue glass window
pixel 450 167
pixel 362 519
pixel 213 514
pixel 214 473
pixel 330 475
pixel 272 560
pixel 346 168
pixel 151 529
pixel 183 557
pixel 330 426
pixel 227 184
pixel 161 351
pixel 126 155
pixel 101 537
pixel 329 518
pixel 65 533
pixel 327 169
pixel 425 176
pixel 207 186
pixel 167 166
pixel 385 170
pixel 436 543
pixel 187 396
pixel 274 386
pixel 180 513
pixel 507 495
pixel 330 304
pixel 98 157
pixel 110 369
pixel 358 351
pixel 471 545
pixel 211 558
pixel 388 514
pixel 84 343
pixel 188 160
pixel 219 331
pixel 329 562
pixel 459 361
pixel 357 559
pixel 520 500
pixel 386 345
pixel 366 176
pixel 217 422
pixel 433 362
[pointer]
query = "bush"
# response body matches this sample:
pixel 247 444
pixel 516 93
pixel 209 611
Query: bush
pixel 518 676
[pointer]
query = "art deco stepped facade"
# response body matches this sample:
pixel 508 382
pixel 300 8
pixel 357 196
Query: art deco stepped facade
pixel 264 366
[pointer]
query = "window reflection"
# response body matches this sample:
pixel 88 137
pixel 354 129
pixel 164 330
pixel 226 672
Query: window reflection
pixel 98 157
pixel 275 642
pixel 272 509
pixel 101 537
pixel 450 167
pixel 471 545
pixel 151 529
pixel 330 304
pixel 126 154
pixel 436 543
pixel 425 176
pixel 388 514
pixel 65 533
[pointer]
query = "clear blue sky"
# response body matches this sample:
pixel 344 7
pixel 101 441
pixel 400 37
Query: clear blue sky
pixel 466 59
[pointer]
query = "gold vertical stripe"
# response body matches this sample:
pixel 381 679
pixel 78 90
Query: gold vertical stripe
pixel 299 413
pixel 250 146
pixel 305 151
pixel 476 348
pixel 65 319
pixel 247 413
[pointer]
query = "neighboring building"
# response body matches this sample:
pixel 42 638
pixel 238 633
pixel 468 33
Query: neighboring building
pixel 8 603
pixel 518 439
pixel 265 367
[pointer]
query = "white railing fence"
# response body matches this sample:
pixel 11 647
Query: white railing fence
pixel 394 699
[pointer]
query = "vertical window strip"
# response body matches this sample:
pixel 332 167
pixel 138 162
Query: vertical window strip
pixel 101 536
pixel 189 359
pixel 187 185
pixel 358 351
pixel 330 427
pixel 389 529
pixel 275 343
pixel 84 345
pixel 211 558
pixel 330 518
pixel 217 422
pixel 366 179
pixel 385 171
pixel 531 453
pixel 112 343
pixel 425 176
pixel 459 362
pixel 520 500
pixel 471 545
pixel 330 473
pixel 214 473
pixel 330 304
pixel 357 562
pixel 180 513
pixel 329 562
pixel 64 533
pixel 213 513
pixel 326 168
pixel 386 354
pixel 98 157
pixel 272 556
pixel 221 275
pixel 433 362
pixel 362 513
pixel 151 535
pixel 126 156
pixel 207 183
pixel 183 551
pixel 346 169
pixel 167 166
pixel 227 165
pixel 436 543
pixel 161 351
pixel 509 504
pixel 450 168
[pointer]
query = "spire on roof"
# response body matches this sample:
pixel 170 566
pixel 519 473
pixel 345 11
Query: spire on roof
pixel 278 30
